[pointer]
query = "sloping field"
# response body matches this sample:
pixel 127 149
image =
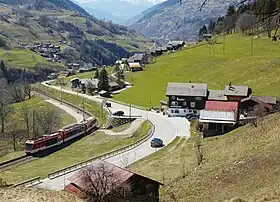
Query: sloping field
pixel 258 68
pixel 241 164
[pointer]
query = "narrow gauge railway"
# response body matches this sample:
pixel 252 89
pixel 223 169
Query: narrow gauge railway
pixel 64 135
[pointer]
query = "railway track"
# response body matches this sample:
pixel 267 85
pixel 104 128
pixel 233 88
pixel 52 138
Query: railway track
pixel 16 161
pixel 25 158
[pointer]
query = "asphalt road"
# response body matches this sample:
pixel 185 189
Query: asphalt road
pixel 73 112
pixel 165 128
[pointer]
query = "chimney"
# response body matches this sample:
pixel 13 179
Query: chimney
pixel 229 85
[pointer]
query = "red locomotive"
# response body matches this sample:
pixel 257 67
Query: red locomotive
pixel 65 134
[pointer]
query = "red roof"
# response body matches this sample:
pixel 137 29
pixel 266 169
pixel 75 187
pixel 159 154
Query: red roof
pixel 72 188
pixel 221 106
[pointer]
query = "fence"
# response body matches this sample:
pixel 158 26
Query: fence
pixel 104 156
pixel 31 182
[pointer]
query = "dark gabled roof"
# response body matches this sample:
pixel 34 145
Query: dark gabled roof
pixel 187 89
pixel 266 99
pixel 257 100
pixel 231 90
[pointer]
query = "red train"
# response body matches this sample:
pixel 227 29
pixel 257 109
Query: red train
pixel 59 137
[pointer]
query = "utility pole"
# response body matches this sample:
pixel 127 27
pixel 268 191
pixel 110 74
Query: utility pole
pixel 224 45
pixel 33 120
pixel 84 120
pixel 60 92
pixel 130 113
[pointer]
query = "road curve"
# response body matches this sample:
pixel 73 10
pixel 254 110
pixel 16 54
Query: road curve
pixel 164 129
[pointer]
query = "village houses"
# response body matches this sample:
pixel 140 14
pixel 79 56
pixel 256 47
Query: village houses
pixel 219 111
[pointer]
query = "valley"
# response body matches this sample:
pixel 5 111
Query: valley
pixel 180 106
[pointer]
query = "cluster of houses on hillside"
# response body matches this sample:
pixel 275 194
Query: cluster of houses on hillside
pixel 49 51
pixel 91 86
pixel 134 63
pixel 171 46
pixel 218 110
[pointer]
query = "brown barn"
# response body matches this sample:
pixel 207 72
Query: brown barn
pixel 141 189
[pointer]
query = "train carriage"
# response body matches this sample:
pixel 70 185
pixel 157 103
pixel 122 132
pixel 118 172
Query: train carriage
pixel 65 134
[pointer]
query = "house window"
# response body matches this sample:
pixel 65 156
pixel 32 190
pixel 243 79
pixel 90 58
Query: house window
pixel 192 104
pixel 172 111
pixel 176 111
pixel 184 103
pixel 174 103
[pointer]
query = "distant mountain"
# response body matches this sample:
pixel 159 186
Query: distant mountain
pixel 118 11
pixel 103 15
pixel 170 20
pixel 89 40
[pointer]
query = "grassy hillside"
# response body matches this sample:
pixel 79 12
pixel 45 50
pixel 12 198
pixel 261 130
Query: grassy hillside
pixel 88 147
pixel 42 21
pixel 25 59
pixel 202 64
pixel 243 163
pixel 35 194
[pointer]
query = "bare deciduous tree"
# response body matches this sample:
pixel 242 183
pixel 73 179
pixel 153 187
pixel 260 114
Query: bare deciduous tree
pixel 246 23
pixel 48 119
pixel 27 90
pixel 13 134
pixel 5 100
pixel 102 184
pixel 25 116
pixel 17 92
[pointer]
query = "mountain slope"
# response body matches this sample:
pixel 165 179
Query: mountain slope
pixel 88 40
pixel 170 20
pixel 120 10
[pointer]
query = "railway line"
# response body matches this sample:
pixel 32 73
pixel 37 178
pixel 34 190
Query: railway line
pixel 27 158
pixel 17 161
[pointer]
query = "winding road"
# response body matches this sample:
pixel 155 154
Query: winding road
pixel 165 128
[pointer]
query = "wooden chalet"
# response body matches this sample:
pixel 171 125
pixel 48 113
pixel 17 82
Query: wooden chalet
pixel 136 187
pixel 186 98
pixel 135 67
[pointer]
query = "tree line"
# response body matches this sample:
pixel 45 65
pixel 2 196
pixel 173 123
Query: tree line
pixel 248 17
pixel 16 89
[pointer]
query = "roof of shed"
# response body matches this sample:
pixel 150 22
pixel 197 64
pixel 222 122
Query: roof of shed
pixel 236 90
pixel 187 89
pixel 217 95
pixel 213 116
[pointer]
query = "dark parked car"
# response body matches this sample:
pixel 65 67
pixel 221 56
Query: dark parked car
pixel 156 142
pixel 191 117
pixel 118 113
pixel 108 104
